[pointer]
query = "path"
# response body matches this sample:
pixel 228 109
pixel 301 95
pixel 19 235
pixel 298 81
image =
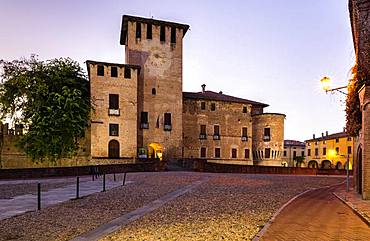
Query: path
pixel 317 215
pixel 28 202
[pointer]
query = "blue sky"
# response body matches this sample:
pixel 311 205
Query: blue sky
pixel 272 51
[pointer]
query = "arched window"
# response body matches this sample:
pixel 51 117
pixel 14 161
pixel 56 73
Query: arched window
pixel 113 149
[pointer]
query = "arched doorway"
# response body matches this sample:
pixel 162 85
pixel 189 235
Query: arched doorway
pixel 155 150
pixel 113 149
pixel 338 165
pixel 313 164
pixel 326 164
pixel 359 170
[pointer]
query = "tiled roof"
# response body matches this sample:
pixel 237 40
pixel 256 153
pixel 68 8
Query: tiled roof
pixel 210 95
pixel 331 136
pixel 293 143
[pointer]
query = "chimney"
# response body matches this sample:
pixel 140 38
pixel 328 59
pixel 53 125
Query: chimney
pixel 322 134
pixel 327 133
pixel 220 92
pixel 203 88
pixel 313 136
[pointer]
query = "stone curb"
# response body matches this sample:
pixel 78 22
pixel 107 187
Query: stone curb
pixel 272 219
pixel 362 215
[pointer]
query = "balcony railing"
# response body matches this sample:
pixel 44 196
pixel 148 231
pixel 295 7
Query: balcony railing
pixel 266 138
pixel 202 136
pixel 115 112
pixel 216 137
pixel 167 127
pixel 144 125
pixel 244 138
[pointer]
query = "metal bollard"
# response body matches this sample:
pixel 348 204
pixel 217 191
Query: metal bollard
pixel 104 182
pixel 38 196
pixel 78 188
pixel 93 177
pixel 114 176
pixel 124 179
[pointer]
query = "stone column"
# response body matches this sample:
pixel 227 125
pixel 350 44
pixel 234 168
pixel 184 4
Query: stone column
pixel 364 95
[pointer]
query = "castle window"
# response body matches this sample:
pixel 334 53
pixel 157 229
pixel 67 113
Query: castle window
pixel 203 152
pixel 113 129
pixel 173 35
pixel 144 120
pixel 267 152
pixel 216 132
pixel 154 91
pixel 138 30
pixel 267 134
pixel 244 134
pixel 113 101
pixel 167 122
pixel 162 34
pixel 127 73
pixel 202 105
pixel 349 150
pixel 324 151
pixel 217 152
pixel 245 110
pixel 113 72
pixel 100 70
pixel 213 106
pixel 246 153
pixel 203 132
pixel 149 31
pixel 234 153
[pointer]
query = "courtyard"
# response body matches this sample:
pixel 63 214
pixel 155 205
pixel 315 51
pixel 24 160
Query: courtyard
pixel 158 206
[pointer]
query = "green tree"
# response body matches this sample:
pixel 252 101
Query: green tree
pixel 52 99
pixel 299 160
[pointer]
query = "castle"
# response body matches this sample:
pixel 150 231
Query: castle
pixel 141 111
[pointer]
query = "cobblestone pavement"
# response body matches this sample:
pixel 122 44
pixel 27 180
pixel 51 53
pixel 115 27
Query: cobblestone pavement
pixel 317 215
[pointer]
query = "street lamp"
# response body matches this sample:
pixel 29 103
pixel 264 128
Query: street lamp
pixel 326 85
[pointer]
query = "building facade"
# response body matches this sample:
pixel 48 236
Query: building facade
pixel 330 151
pixel 294 153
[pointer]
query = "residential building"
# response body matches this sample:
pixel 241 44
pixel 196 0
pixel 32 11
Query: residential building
pixel 294 153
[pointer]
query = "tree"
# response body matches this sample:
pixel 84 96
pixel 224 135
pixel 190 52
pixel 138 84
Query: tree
pixel 299 160
pixel 52 99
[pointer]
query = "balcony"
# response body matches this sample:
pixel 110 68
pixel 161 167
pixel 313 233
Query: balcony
pixel 144 125
pixel 266 138
pixel 244 138
pixel 114 112
pixel 202 136
pixel 216 137
pixel 167 127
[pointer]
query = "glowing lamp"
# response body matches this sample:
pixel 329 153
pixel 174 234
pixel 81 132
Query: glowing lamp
pixel 325 83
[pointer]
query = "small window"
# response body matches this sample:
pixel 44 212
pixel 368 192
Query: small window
pixel 246 153
pixel 167 118
pixel 202 105
pixel 349 139
pixel 294 154
pixel 203 129
pixel 113 101
pixel 324 151
pixel 149 31
pixel 173 35
pixel 337 150
pixel 284 153
pixel 213 106
pixel 113 71
pixel 138 30
pixel 337 140
pixel 267 153
pixel 154 91
pixel 349 150
pixel 267 132
pixel 203 152
pixel 302 153
pixel 127 73
pixel 162 34
pixel 234 153
pixel 144 117
pixel 309 152
pixel 113 129
pixel 216 130
pixel 316 151
pixel 217 152
pixel 244 132
pixel 245 110
pixel 100 70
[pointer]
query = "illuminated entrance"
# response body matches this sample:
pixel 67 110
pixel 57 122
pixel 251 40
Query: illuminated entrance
pixel 155 150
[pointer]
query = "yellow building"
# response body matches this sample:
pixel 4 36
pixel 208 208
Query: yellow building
pixel 329 151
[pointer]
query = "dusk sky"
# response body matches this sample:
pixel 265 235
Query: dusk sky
pixel 272 51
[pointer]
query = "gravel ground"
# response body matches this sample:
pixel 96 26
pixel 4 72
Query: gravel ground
pixel 227 206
